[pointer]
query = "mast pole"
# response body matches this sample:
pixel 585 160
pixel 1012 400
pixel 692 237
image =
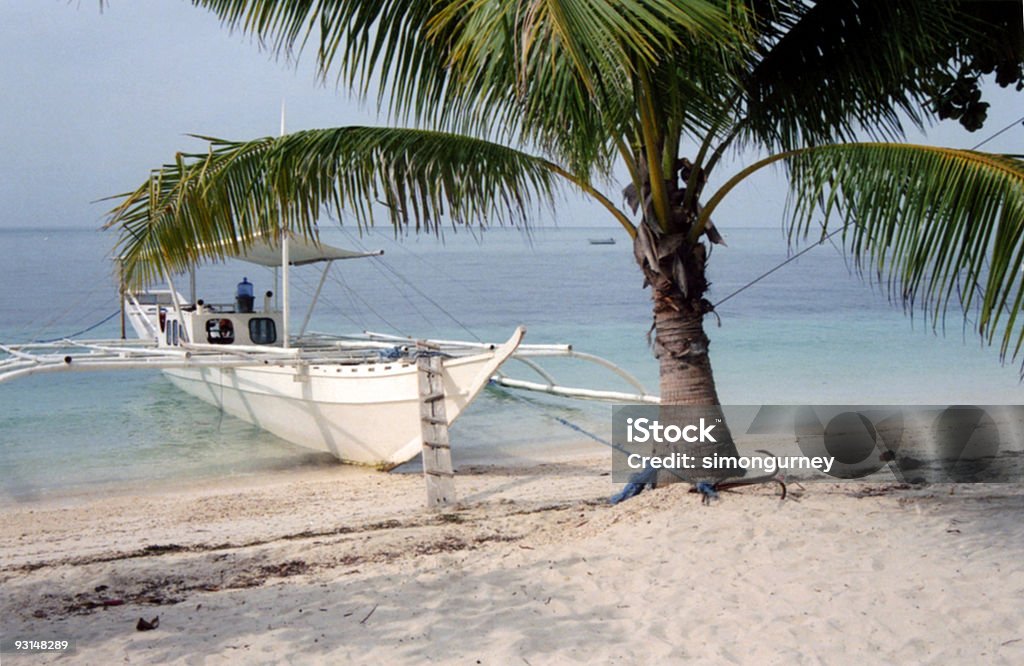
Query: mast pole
pixel 284 263
pixel 121 292
pixel 284 285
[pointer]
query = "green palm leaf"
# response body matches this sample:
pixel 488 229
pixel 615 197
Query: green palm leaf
pixel 200 206
pixel 945 227
pixel 424 52
pixel 826 70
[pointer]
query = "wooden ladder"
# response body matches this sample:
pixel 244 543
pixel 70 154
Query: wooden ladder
pixel 437 451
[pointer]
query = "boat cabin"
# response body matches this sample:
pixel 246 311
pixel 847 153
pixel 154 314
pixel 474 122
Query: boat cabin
pixel 153 316
pixel 169 319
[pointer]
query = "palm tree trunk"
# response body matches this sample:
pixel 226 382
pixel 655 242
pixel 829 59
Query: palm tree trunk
pixel 674 265
pixel 687 383
pixel 681 347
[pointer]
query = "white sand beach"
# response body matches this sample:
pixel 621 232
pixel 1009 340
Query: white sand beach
pixel 534 567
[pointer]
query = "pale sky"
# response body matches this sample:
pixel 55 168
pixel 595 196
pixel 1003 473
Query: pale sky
pixel 92 101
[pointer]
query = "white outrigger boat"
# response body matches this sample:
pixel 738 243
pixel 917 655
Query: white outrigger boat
pixel 357 398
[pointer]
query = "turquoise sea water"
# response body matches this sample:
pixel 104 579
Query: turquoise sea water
pixel 811 333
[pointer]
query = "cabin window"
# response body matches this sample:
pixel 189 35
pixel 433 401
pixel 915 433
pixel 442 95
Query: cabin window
pixel 262 331
pixel 172 332
pixel 220 331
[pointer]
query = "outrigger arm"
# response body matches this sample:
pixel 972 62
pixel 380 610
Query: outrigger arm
pixel 525 355
pixel 77 355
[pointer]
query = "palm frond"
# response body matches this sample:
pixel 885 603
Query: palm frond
pixel 943 227
pixel 825 71
pixel 205 205
pixel 458 64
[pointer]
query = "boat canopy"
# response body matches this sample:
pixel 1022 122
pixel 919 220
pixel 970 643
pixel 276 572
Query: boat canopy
pixel 268 252
pixel 300 253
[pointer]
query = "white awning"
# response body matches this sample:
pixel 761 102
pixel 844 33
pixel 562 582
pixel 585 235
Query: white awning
pixel 268 252
pixel 300 252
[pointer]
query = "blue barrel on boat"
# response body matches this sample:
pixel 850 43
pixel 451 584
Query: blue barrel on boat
pixel 244 296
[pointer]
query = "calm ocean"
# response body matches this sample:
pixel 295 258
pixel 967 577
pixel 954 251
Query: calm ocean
pixel 811 333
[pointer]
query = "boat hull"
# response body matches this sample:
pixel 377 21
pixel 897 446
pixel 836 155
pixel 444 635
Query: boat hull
pixel 365 413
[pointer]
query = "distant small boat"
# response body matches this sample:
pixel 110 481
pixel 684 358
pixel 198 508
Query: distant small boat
pixel 602 241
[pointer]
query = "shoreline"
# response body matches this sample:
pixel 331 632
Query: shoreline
pixel 304 464
pixel 533 566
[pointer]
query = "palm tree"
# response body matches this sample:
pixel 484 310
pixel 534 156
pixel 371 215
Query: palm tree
pixel 509 99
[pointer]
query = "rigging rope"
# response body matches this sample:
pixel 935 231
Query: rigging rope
pixel 428 299
pixel 412 285
pixel 541 408
pixel 307 288
pixel 1008 127
pixel 787 261
pixel 354 294
pixel 638 482
pixel 60 315
pixel 398 288
pixel 84 330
